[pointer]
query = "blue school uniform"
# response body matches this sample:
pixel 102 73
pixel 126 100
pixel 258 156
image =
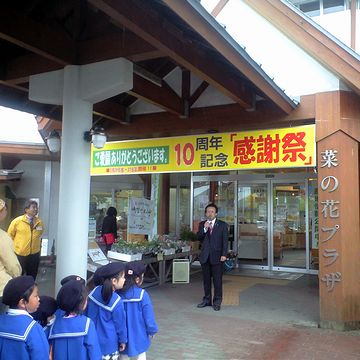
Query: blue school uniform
pixel 46 328
pixel 140 319
pixel 109 319
pixel 74 338
pixel 21 337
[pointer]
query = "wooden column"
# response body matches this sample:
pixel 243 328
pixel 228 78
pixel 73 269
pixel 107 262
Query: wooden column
pixel 213 191
pixel 337 136
pixel 146 178
pixel 163 216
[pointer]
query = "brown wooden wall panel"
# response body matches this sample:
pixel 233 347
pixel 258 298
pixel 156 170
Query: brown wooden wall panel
pixel 340 306
pixel 338 129
pixel 337 110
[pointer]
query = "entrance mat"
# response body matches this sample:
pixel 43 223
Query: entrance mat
pixel 266 274
pixel 233 285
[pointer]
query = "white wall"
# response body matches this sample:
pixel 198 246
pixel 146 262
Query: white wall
pixel 53 203
pixel 34 184
pixel 41 180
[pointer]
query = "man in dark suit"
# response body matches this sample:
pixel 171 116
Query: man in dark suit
pixel 213 235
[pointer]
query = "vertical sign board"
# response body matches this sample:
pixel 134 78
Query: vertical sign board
pixel 140 216
pixel 330 215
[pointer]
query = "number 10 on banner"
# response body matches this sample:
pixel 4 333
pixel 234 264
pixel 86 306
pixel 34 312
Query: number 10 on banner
pixel 185 154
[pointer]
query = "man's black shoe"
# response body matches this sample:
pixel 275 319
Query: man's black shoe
pixel 203 304
pixel 216 307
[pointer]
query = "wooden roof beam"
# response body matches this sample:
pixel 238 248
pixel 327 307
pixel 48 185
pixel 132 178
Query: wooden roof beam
pixel 185 92
pixel 145 23
pixel 219 6
pixel 15 98
pixel 17 71
pixel 37 37
pixel 107 109
pixel 197 93
pixel 162 96
pixel 224 118
pixel 23 149
pixel 125 44
pixel 112 111
pixel 194 19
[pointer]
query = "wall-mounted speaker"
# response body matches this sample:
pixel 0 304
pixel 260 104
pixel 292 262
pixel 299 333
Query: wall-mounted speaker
pixel 181 271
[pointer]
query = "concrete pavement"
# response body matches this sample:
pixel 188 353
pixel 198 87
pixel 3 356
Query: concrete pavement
pixel 259 319
pixel 266 324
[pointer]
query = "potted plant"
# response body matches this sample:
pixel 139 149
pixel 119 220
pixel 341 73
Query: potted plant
pixel 125 251
pixel 187 235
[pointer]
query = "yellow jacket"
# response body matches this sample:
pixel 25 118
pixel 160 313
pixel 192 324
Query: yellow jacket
pixel 26 242
pixel 9 264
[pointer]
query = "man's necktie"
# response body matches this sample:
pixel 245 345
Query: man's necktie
pixel 210 227
pixel 31 224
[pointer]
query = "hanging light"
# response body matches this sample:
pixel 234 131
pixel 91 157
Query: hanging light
pixel 53 141
pixel 97 136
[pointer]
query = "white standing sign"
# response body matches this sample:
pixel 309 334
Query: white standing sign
pixel 141 216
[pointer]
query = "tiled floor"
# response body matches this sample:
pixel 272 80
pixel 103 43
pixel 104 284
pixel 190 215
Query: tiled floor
pixel 233 285
pixel 271 320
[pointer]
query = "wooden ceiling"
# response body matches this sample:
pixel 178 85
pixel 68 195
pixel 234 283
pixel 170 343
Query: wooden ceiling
pixel 38 36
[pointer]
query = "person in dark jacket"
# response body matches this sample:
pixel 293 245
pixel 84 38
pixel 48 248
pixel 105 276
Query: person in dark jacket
pixel 213 235
pixel 109 227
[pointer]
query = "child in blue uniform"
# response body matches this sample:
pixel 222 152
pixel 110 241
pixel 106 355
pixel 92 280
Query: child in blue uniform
pixel 72 277
pixel 21 337
pixel 45 314
pixel 140 317
pixel 72 335
pixel 106 308
pixel 66 279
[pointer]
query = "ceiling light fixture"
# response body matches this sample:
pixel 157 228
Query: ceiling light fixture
pixel 53 141
pixel 97 136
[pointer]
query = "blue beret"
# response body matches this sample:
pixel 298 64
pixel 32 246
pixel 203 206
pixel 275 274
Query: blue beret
pixel 72 277
pixel 111 270
pixel 135 268
pixel 16 288
pixel 98 276
pixel 70 296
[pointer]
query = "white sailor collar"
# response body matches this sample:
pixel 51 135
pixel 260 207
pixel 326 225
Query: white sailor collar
pixel 18 312
pixel 135 299
pixel 74 330
pixel 23 331
pixel 95 296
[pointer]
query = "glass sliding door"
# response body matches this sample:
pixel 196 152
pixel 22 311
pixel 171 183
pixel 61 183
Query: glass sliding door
pixel 253 224
pixel 289 225
pixel 222 193
pixel 273 223
pixel 179 203
pixel 201 198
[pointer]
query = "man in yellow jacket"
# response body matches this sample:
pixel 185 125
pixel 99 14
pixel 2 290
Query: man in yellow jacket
pixel 26 231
